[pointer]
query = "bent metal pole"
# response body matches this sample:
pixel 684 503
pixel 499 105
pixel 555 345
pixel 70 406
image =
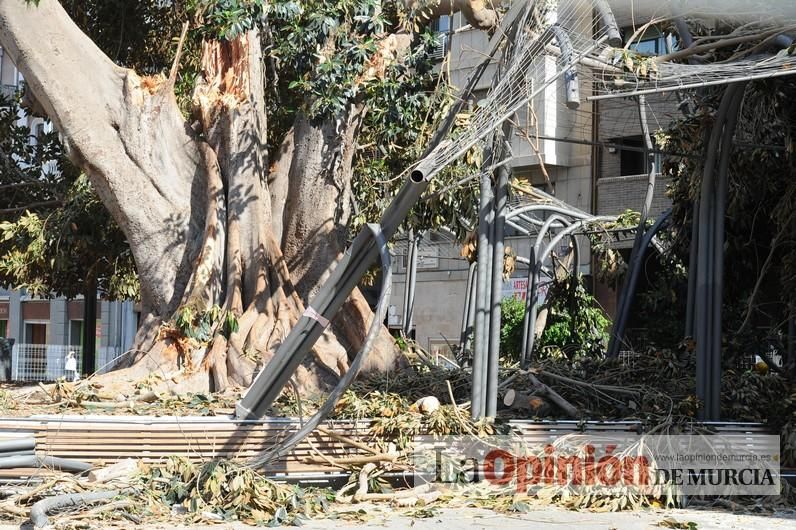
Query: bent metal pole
pixel 365 249
pixel 343 279
pixel 352 266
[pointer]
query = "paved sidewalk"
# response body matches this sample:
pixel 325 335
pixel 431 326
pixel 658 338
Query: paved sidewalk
pixel 543 517
pixel 559 518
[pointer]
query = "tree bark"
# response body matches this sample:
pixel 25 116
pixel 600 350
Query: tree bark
pixel 316 214
pixel 204 212
pixel 109 117
pixel 318 203
pixel 480 14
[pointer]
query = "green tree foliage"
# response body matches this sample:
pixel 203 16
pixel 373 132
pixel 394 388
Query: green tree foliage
pixel 324 48
pixel 61 251
pixel 138 34
pixel 396 131
pixel 324 57
pixel 31 168
pixel 512 313
pixel 55 234
pixel 576 325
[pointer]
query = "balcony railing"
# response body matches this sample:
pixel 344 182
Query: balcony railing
pixel 441 48
pixel 617 194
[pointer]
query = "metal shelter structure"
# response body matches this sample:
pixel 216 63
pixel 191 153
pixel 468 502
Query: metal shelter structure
pixel 520 43
pixel 532 35
pixel 546 222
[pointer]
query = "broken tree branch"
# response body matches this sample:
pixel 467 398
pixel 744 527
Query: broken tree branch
pixel 694 50
pixel 555 397
pixel 176 64
pixel 604 388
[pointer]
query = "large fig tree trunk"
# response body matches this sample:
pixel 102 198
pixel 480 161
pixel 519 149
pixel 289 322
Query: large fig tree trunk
pixel 215 226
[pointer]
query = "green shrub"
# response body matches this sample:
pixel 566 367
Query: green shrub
pixel 576 325
pixel 512 312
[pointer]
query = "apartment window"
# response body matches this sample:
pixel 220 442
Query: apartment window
pixel 38 132
pixel 442 24
pixel 35 333
pixel 633 159
pixel 652 42
pixel 441 28
pixel 9 76
pixel 3 328
pixel 654 46
pixel 76 333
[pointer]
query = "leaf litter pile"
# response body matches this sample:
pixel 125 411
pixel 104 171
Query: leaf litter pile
pixel 656 389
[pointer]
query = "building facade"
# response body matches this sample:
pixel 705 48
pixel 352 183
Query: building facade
pixel 45 330
pixel 593 158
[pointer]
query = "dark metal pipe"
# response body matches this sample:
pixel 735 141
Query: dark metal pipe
pixel 714 412
pixel 471 315
pixel 525 357
pixel 531 287
pixel 26 452
pixel 490 249
pixel 413 282
pixel 566 232
pixel 529 334
pixel 63 464
pixel 469 304
pixel 409 283
pixel 704 270
pixel 623 310
pixel 705 283
pixel 498 231
pixel 693 257
pixel 575 255
pixel 546 208
pixel 692 271
pixel 634 274
pixel 791 346
pixel 483 298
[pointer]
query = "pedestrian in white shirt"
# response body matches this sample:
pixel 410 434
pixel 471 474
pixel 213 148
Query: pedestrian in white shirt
pixel 70 367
